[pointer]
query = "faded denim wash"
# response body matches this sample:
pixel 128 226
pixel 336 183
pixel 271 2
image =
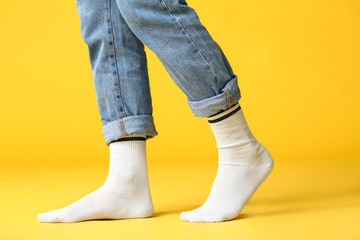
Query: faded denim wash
pixel 116 31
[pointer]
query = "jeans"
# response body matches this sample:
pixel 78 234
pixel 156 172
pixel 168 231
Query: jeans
pixel 115 32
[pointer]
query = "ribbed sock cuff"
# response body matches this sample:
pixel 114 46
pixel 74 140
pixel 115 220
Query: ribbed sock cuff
pixel 223 114
pixel 131 138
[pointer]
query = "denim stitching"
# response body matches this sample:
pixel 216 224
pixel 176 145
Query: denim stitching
pixel 123 125
pixel 228 97
pixel 119 124
pixel 115 56
pixel 192 41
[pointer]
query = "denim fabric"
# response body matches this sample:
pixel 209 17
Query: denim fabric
pixel 116 31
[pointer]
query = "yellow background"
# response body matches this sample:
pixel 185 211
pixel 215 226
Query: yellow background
pixel 299 74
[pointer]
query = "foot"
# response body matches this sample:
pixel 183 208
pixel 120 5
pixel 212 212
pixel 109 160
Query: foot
pixel 103 203
pixel 232 188
pixel 243 165
pixel 125 193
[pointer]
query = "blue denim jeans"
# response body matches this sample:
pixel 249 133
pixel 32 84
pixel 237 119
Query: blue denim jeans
pixel 115 32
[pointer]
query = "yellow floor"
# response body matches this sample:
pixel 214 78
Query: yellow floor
pixel 302 199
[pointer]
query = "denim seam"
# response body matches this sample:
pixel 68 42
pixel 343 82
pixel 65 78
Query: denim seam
pixel 192 41
pixel 228 97
pixel 119 124
pixel 122 127
pixel 115 58
pixel 122 122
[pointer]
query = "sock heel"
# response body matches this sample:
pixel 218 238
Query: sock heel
pixel 265 157
pixel 267 163
pixel 145 211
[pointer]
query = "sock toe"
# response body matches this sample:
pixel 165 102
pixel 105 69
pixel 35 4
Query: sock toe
pixel 40 217
pixel 195 216
pixel 184 216
pixel 46 217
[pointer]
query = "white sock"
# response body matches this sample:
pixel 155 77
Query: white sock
pixel 125 193
pixel 243 165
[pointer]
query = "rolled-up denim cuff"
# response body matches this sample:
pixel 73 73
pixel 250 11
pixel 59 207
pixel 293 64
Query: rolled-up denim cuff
pixel 230 94
pixel 131 125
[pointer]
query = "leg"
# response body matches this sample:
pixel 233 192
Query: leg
pixel 243 165
pixel 119 65
pixel 172 30
pixel 122 89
